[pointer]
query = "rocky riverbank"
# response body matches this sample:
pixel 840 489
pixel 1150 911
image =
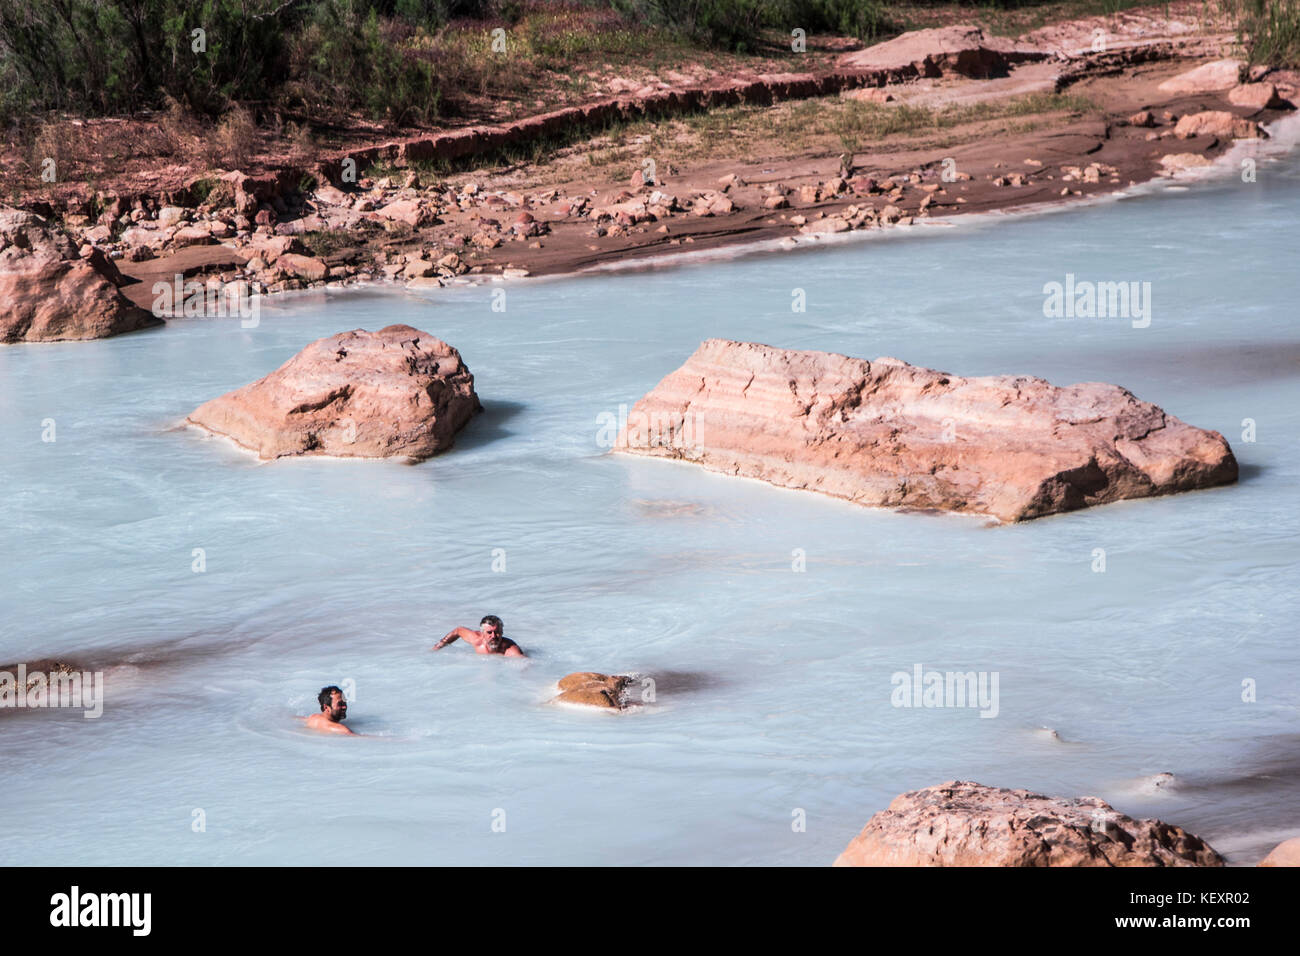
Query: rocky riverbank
pixel 1094 119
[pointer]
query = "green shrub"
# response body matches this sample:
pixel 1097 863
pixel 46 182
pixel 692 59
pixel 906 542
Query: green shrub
pixel 1269 30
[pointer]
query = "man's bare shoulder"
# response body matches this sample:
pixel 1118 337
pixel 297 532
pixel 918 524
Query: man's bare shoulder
pixel 324 725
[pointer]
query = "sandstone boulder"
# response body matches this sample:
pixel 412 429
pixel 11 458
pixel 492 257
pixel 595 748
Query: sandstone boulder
pixel 304 267
pixel 410 211
pixel 968 824
pixel 398 392
pixel 1218 123
pixel 941 50
pixel 1256 97
pixel 1206 78
pixel 1176 162
pixel 890 434
pixel 593 690
pixel 1286 853
pixel 49 292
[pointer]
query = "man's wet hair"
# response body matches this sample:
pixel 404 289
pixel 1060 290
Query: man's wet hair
pixel 325 695
pixel 493 619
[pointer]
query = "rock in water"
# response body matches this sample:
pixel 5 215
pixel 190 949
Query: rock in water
pixel 395 392
pixel 1286 853
pixel 968 824
pixel 49 293
pixel 890 434
pixel 593 690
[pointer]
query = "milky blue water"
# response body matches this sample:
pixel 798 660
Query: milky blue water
pixel 772 685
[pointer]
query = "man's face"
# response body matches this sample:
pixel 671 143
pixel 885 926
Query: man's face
pixel 491 631
pixel 338 708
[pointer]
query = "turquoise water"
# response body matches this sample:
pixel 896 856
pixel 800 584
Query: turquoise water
pixel 772 686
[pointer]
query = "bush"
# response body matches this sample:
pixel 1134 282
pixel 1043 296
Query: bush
pixel 231 143
pixel 733 24
pixel 1269 30
pixel 864 19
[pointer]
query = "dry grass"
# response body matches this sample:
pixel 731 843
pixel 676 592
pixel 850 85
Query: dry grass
pixel 808 127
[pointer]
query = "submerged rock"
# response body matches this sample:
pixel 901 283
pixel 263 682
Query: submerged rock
pixel 50 293
pixel 967 824
pixel 890 434
pixel 395 392
pixel 593 690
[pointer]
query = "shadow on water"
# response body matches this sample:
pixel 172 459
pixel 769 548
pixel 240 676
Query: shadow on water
pixel 489 426
pixel 1249 472
pixel 684 682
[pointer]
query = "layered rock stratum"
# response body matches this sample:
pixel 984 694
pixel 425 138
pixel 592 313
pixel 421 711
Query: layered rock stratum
pixel 885 433
pixel 49 292
pixel 398 392
pixel 967 824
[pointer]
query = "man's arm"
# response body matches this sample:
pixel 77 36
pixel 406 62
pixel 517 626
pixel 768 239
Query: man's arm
pixel 514 650
pixel 454 633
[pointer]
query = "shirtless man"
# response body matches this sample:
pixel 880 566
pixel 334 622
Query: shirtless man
pixel 490 640
pixel 333 711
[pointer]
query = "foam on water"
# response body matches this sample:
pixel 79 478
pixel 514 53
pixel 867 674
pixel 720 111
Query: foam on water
pixel 773 687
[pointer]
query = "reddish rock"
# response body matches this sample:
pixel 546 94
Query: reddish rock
pixel 1255 97
pixel 304 267
pixel 1142 118
pixel 963 49
pixel 1207 78
pixel 870 94
pixel 196 235
pixel 103 265
pixel 1286 853
pixel 409 211
pixel 398 392
pixel 272 247
pixel 968 824
pixel 332 195
pixel 49 293
pixel 828 225
pixel 1218 123
pixel 1175 162
pixel 886 433
pixel 593 690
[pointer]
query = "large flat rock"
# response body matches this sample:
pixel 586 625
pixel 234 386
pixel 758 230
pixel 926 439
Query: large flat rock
pixel 962 49
pixel 967 824
pixel 398 392
pixel 890 434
